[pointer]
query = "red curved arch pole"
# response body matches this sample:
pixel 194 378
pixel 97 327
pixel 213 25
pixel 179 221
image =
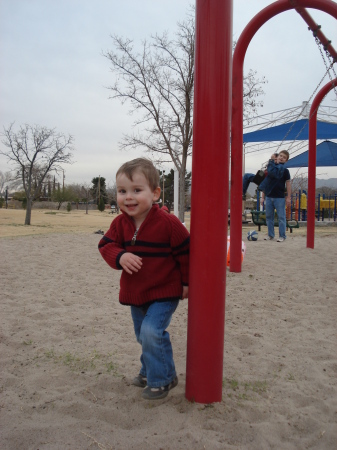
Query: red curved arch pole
pixel 312 161
pixel 253 26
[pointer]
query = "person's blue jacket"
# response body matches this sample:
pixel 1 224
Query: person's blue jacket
pixel 275 173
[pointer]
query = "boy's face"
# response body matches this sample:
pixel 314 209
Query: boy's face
pixel 135 197
pixel 282 158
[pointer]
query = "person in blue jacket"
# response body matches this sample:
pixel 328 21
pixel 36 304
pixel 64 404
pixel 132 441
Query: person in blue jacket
pixel 254 178
pixel 273 186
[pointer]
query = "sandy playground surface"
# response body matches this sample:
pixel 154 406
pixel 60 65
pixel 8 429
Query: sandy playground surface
pixel 68 352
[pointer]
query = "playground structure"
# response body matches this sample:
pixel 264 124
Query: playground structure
pixel 237 112
pixel 212 122
pixel 211 144
pixel 326 208
pixel 312 159
pixel 259 219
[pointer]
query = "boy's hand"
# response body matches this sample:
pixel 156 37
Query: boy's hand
pixel 185 292
pixel 274 157
pixel 130 262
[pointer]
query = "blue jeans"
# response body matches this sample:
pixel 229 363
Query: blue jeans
pixel 150 323
pixel 280 205
pixel 246 180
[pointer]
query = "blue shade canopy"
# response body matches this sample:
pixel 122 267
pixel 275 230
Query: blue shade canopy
pixel 299 131
pixel 326 156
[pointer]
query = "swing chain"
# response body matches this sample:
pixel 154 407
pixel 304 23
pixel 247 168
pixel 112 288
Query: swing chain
pixel 328 68
pixel 331 67
pixel 304 106
pixel 299 115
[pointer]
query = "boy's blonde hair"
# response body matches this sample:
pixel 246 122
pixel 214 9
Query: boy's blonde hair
pixel 144 166
pixel 285 152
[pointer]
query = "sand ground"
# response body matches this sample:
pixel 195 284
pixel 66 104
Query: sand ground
pixel 68 352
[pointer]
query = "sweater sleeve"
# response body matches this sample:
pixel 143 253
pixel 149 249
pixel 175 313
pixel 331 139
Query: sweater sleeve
pixel 275 170
pixel 180 244
pixel 110 247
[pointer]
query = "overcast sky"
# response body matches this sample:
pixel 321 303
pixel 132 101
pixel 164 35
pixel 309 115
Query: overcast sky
pixel 53 72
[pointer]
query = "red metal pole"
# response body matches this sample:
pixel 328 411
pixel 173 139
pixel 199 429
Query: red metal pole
pixel 248 33
pixel 210 168
pixel 312 161
pixel 315 28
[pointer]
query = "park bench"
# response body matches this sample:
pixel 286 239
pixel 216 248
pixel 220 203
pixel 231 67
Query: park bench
pixel 259 219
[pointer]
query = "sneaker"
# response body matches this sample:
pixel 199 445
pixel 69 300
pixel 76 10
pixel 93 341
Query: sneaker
pixel 140 381
pixel 268 238
pixel 156 393
pixel 280 239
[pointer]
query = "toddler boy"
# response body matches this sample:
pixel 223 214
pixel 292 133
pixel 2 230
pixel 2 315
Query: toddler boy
pixel 151 248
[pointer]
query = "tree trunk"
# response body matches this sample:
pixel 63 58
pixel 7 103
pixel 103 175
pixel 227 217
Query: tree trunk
pixel 182 196
pixel 182 173
pixel 28 211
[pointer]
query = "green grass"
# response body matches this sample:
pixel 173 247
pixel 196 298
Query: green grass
pixel 83 363
pixel 243 391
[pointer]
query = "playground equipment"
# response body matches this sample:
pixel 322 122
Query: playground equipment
pixel 243 250
pixel 211 132
pixel 211 129
pixel 259 219
pixel 324 208
pixel 312 159
pixel 328 204
pixel 327 207
pixel 300 207
pixel 237 107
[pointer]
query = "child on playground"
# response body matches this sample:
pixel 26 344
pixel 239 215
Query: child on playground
pixel 151 248
pixel 254 178
pixel 273 187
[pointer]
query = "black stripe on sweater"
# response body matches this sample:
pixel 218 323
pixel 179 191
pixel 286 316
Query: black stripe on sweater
pixel 152 255
pixel 148 244
pixel 186 242
pixel 118 264
pixel 106 241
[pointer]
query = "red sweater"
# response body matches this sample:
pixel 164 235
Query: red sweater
pixel 163 244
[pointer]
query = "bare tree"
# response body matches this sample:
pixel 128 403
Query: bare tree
pixel 35 151
pixel 112 193
pixel 85 193
pixel 252 92
pixel 6 179
pixel 327 191
pixel 299 182
pixel 158 83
